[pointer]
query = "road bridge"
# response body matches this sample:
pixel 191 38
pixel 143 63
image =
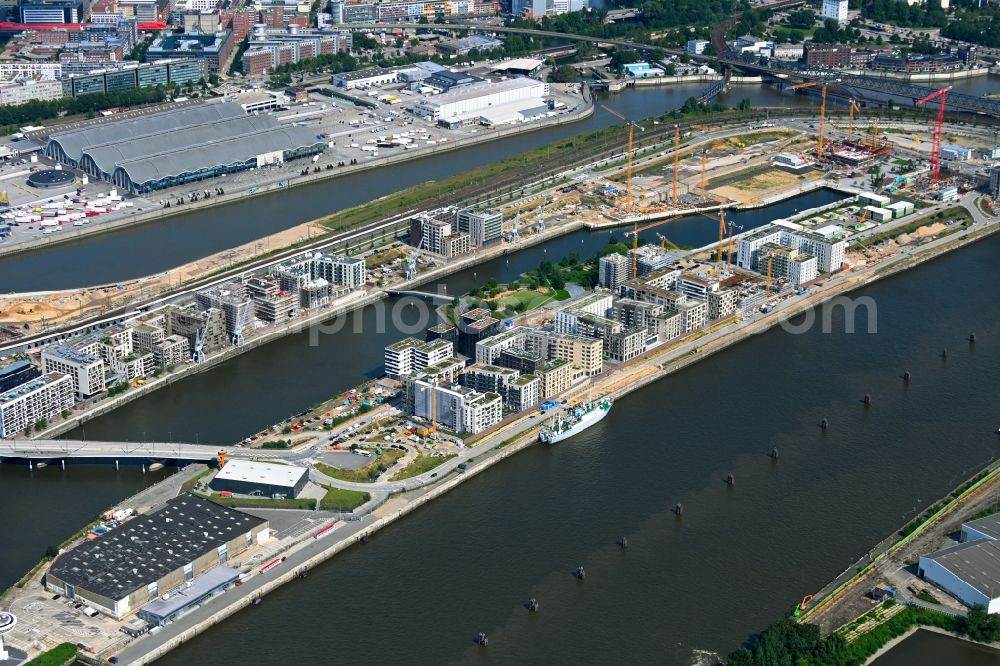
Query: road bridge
pixel 440 299
pixel 899 90
pixel 63 451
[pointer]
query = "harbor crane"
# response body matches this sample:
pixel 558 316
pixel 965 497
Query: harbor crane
pixel 938 127
pixel 822 110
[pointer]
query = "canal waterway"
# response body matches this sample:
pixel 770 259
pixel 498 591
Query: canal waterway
pixel 687 589
pixel 928 648
pixel 161 245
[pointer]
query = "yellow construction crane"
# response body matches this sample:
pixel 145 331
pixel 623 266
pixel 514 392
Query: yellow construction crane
pixel 822 110
pixel 854 109
pixel 628 158
pixel 664 241
pixel 636 229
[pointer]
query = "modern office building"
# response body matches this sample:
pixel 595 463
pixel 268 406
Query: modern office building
pixel 250 477
pixel 153 554
pixel 86 370
pixel 53 11
pixel 483 226
pixel 214 49
pixel 38 399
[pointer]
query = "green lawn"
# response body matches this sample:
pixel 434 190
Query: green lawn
pixel 366 474
pixel 345 500
pixel 263 502
pixel 61 654
pixel 528 298
pixel 423 463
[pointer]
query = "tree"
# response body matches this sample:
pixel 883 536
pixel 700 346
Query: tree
pixel 803 18
pixel 876 177
pixel 565 74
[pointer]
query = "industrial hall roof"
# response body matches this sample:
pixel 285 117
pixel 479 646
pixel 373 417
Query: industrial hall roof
pixel 150 546
pixel 109 155
pixel 230 150
pixel 74 142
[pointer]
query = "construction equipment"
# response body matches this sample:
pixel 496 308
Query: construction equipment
pixel 221 455
pixel 822 110
pixel 729 257
pixel 628 158
pixel 854 109
pixel 942 97
pixel 769 259
pixel 636 229
pixel 664 241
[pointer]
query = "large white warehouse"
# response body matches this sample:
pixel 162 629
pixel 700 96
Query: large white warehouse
pixel 969 571
pixel 472 100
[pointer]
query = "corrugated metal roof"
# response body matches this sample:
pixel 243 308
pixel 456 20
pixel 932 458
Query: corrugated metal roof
pixel 109 155
pixel 219 152
pixel 74 142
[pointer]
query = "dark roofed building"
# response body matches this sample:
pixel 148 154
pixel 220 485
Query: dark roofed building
pixel 152 554
pixel 17 373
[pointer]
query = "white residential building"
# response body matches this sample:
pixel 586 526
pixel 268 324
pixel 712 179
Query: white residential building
pixel 836 10
pixel 410 355
pixel 459 409
pixel 612 271
pixel 829 251
pixel 86 370
pixel 42 398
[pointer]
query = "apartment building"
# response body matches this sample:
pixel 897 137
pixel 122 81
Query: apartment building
pixel 270 302
pixel 86 370
pixel 612 271
pixel 828 250
pixel 410 355
pixel 693 315
pixel 460 409
pixel 721 303
pixel 483 226
pixel 556 376
pixel 627 344
pixel 40 398
pixel 524 393
pixel 570 316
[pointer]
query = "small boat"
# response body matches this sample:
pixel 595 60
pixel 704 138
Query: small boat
pixel 482 639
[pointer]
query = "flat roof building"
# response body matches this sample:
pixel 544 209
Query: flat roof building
pixel 249 477
pixel 86 370
pixel 39 399
pixel 181 146
pixel 153 554
pixel 17 373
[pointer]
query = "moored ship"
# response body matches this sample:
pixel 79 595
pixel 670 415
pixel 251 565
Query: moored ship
pixel 575 420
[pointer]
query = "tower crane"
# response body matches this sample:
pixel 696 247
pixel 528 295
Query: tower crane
pixel 769 258
pixel 822 110
pixel 732 228
pixel 664 241
pixel 704 177
pixel 628 159
pixel 942 97
pixel 854 109
pixel 635 239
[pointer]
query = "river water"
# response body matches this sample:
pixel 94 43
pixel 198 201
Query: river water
pixel 159 246
pixel 686 589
